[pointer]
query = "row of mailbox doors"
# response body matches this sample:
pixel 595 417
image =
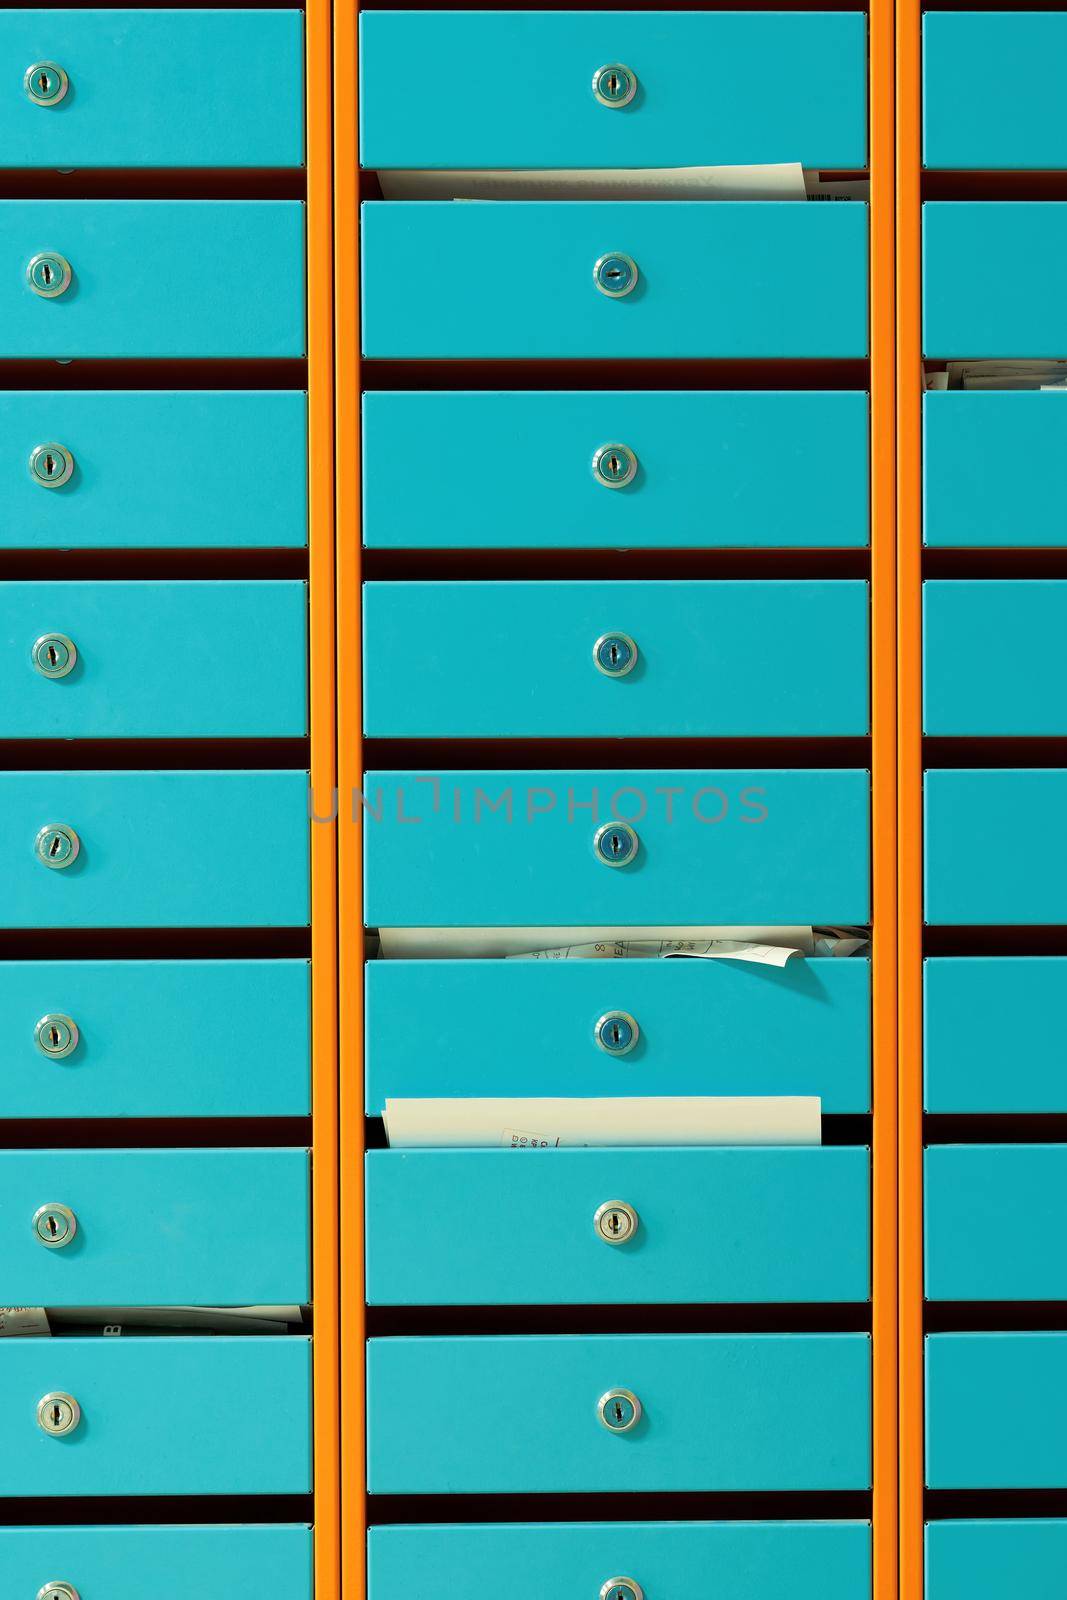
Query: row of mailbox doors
pixel 792 1226
pixel 187 1415
pixel 74 108
pixel 779 847
pixel 965 1559
pixel 622 659
pixel 698 469
pixel 519 279
pixel 697 1031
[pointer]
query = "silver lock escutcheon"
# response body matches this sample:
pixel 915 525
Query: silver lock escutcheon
pixel 57 846
pixel 615 844
pixel 621 1589
pixel 615 274
pixel 615 654
pixel 614 466
pixel 58 1414
pixel 616 1033
pixel 54 655
pixel 56 1036
pixel 614 85
pixel 51 465
pixel 49 274
pixel 54 1225
pixel 615 1222
pixel 58 1590
pixel 46 83
pixel 619 1410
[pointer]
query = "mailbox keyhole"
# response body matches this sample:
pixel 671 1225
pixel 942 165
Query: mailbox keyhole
pixel 56 1416
pixel 44 82
pixel 54 847
pixel 53 1226
pixel 616 845
pixel 618 1412
pixel 46 272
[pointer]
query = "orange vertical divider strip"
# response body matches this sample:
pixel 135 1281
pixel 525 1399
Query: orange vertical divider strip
pixel 350 774
pixel 883 802
pixel 321 631
pixel 909 603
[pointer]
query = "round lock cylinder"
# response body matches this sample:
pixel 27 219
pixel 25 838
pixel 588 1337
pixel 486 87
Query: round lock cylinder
pixel 56 1036
pixel 54 1225
pixel 619 1410
pixel 57 846
pixel 58 1414
pixel 616 1033
pixel 614 466
pixel 615 1222
pixel 621 1589
pixel 614 85
pixel 51 465
pixel 46 83
pixel 54 655
pixel 615 844
pixel 49 274
pixel 615 654
pixel 615 275
pixel 58 1590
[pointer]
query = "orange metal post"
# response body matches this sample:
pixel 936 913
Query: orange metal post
pixel 883 799
pixel 324 1195
pixel 346 244
pixel 909 603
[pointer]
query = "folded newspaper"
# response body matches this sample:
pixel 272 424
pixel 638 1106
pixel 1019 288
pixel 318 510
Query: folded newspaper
pixel 1022 374
pixel 766 945
pixel 786 180
pixel 542 1124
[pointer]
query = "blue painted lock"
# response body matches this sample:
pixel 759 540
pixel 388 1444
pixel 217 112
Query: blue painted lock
pixel 618 89
pixel 156 1416
pixel 714 1412
pixel 994 1220
pixel 971 1559
pixel 991 468
pixel 557 848
pixel 153 849
pixel 696 470
pixel 152 278
pixel 610 659
pixel 773 1225
pixel 522 279
pixel 212 1562
pixel 996 1410
pixel 1016 690
pixel 982 1011
pixel 100 660
pixel 155 1227
pixel 749 1560
pixel 1017 49
pixel 639 1027
pixel 100 469
pixel 991 278
pixel 166 88
pixel 994 850
pixel 155 1038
